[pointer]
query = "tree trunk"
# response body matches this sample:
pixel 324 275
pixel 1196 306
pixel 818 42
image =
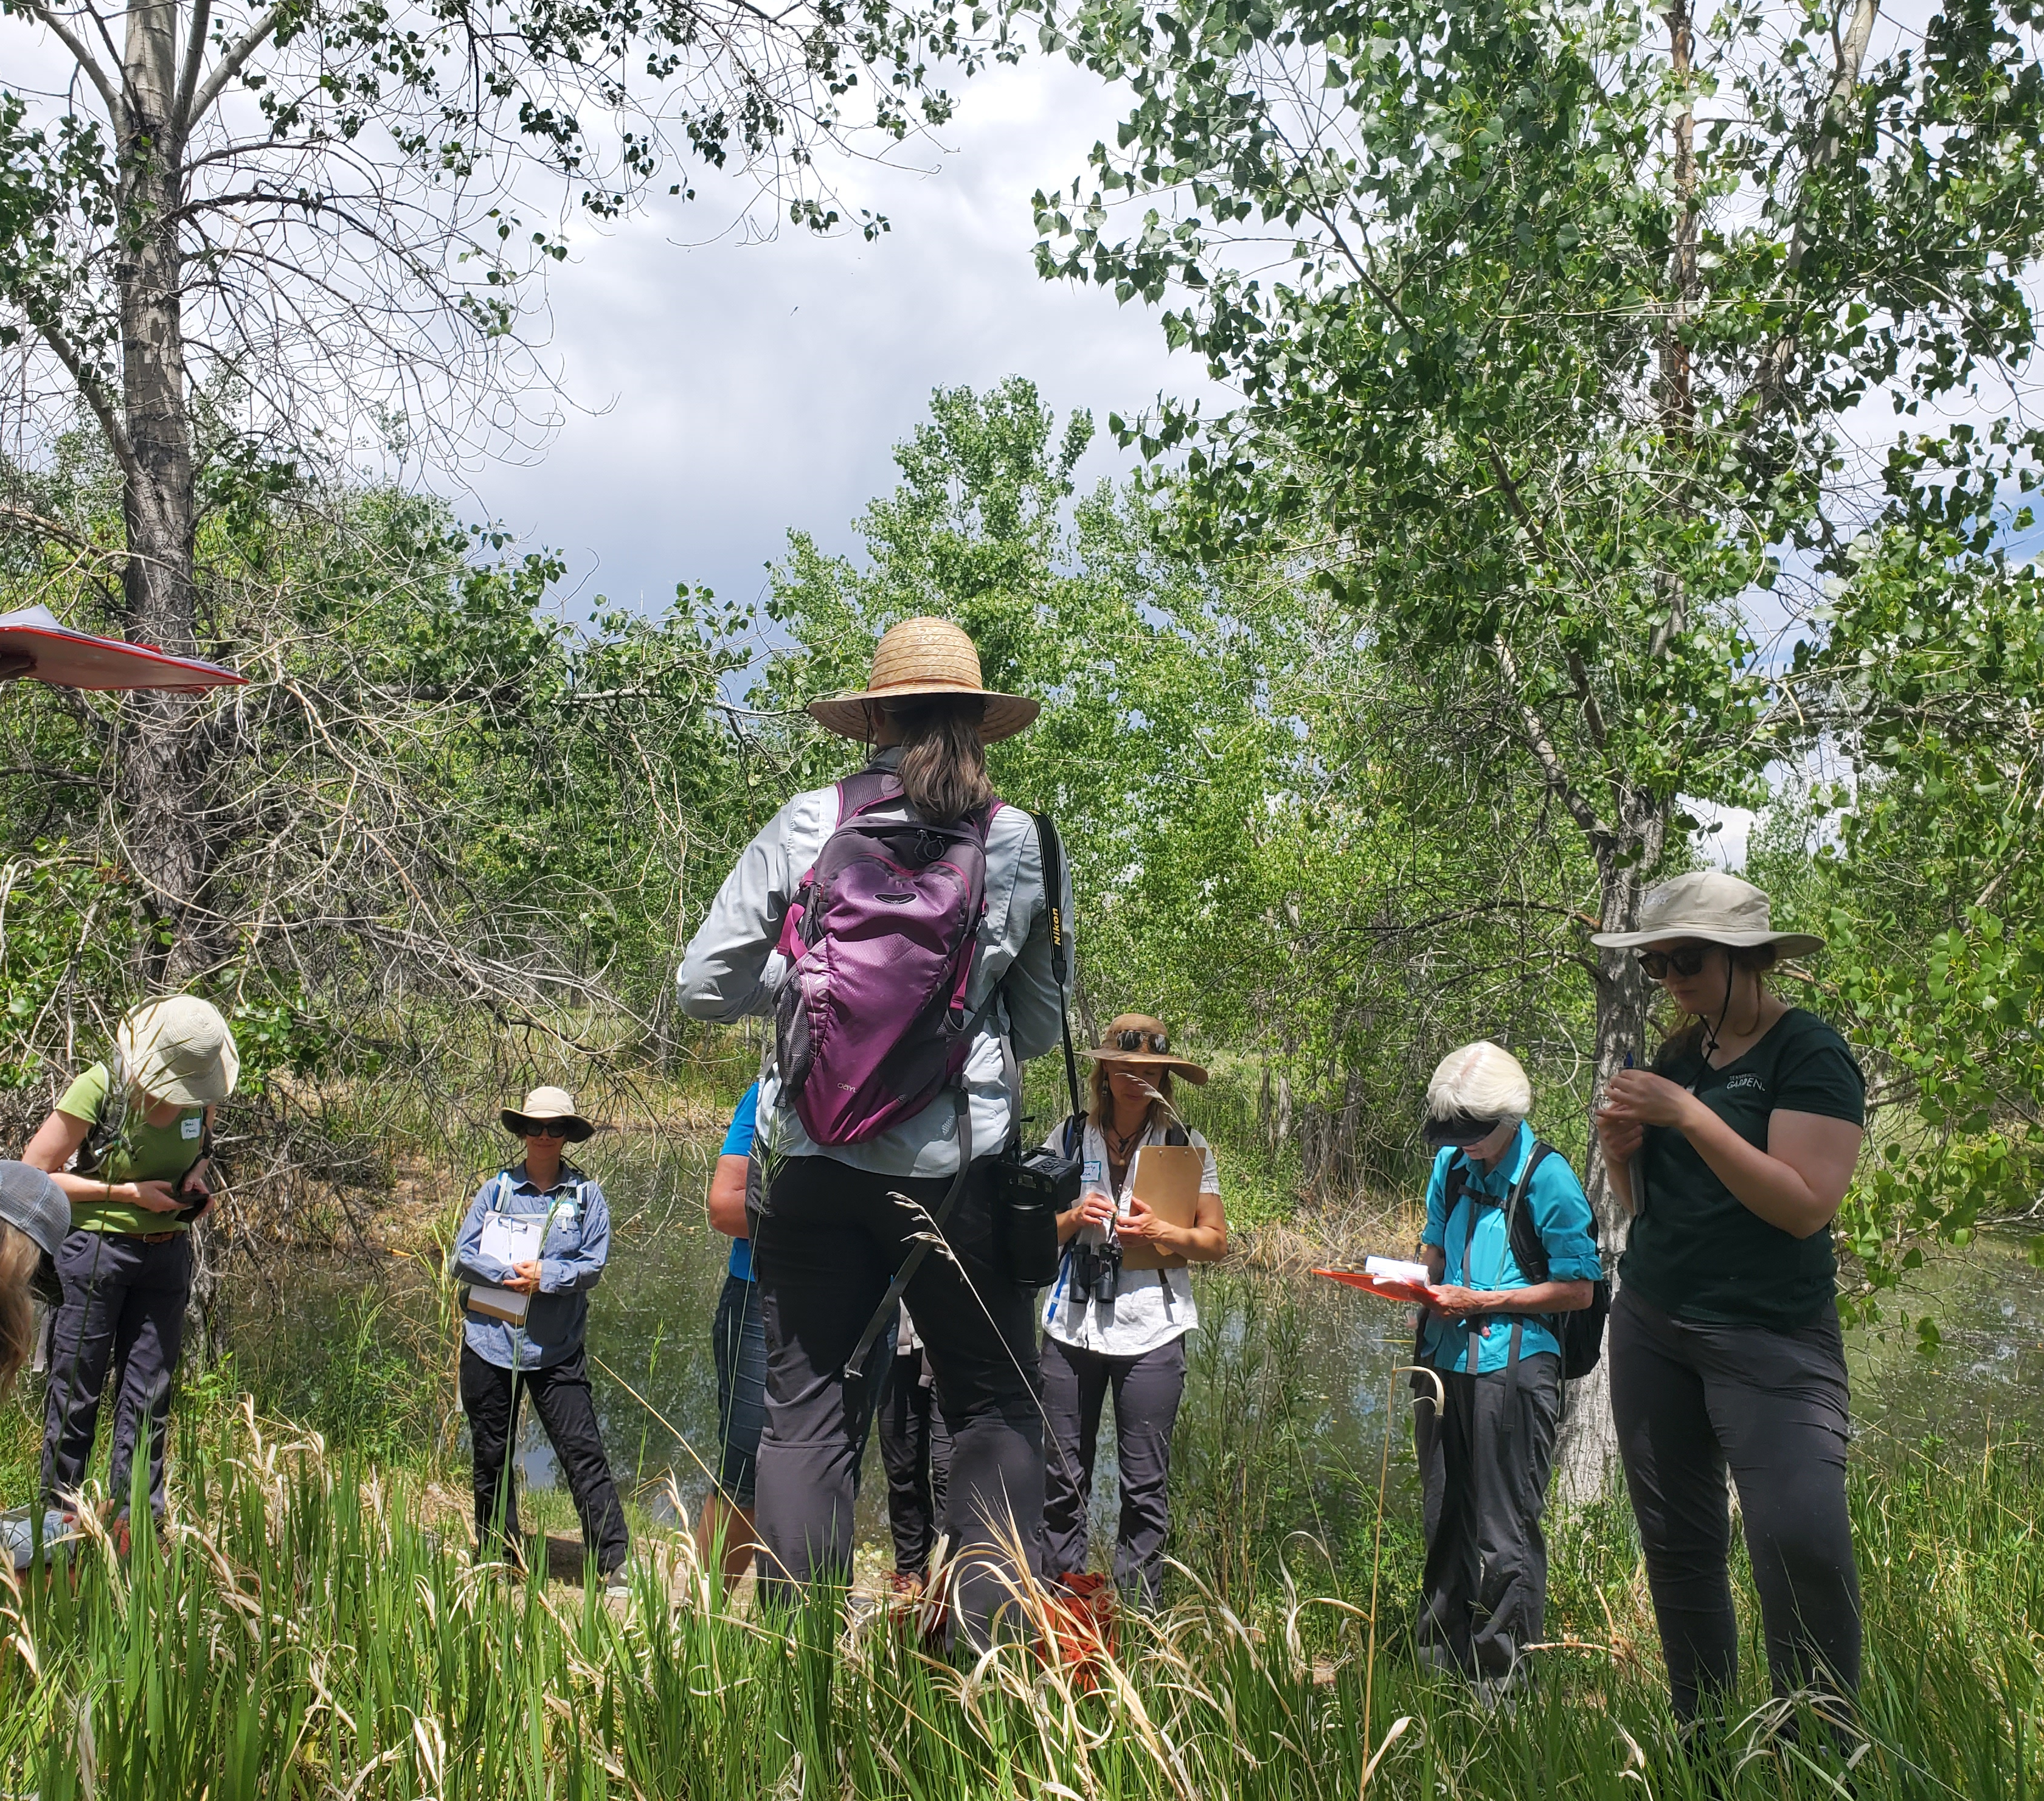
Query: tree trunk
pixel 161 763
pixel 1586 1458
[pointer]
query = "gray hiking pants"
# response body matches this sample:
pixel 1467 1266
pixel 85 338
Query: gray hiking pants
pixel 121 1327
pixel 1688 1400
pixel 825 1244
pixel 1146 1392
pixel 1485 1463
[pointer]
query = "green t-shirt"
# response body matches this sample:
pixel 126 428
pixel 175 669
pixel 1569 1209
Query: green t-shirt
pixel 1697 1252
pixel 142 1153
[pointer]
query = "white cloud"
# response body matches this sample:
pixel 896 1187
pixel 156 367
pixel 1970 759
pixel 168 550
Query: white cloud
pixel 727 391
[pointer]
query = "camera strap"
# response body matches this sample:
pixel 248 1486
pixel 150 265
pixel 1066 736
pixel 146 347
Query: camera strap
pixel 1053 890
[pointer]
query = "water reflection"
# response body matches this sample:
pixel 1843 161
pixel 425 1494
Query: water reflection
pixel 650 1328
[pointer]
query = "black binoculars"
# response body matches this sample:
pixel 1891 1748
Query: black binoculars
pixel 1097 1271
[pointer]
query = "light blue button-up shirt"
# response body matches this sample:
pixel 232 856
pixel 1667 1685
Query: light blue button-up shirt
pixel 1560 1215
pixel 572 1255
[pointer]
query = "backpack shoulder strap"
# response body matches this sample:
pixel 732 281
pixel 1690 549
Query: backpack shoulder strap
pixel 1174 1133
pixel 105 1130
pixel 867 788
pixel 1528 1251
pixel 1074 1137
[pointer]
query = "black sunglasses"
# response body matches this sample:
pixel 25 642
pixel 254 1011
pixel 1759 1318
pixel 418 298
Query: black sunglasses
pixel 545 1129
pixel 1158 1043
pixel 1688 961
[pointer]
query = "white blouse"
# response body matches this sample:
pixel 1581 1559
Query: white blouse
pixel 1153 1306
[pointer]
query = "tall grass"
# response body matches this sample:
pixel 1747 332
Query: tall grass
pixel 296 1631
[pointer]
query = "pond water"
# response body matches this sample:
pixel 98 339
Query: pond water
pixel 650 1325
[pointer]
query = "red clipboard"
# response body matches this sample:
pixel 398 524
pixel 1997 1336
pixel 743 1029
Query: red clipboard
pixel 1405 1294
pixel 33 645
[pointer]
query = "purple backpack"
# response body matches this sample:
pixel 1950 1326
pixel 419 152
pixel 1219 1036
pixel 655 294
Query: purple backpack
pixel 882 941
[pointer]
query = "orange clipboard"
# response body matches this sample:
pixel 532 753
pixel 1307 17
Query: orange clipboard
pixel 1167 1182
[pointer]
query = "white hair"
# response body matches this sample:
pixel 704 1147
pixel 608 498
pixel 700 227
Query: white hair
pixel 1483 1080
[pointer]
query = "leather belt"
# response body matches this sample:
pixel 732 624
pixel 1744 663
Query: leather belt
pixel 157 1238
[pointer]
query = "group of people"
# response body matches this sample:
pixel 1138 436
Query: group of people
pixel 909 933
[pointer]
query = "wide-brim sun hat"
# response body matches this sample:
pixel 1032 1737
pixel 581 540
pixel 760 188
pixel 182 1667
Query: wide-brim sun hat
pixel 548 1107
pixel 179 1049
pixel 31 1202
pixel 918 659
pixel 1153 1052
pixel 1709 905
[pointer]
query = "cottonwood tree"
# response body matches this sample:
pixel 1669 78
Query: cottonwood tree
pixel 1567 336
pixel 323 214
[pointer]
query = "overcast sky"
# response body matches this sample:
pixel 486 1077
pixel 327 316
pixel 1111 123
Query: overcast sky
pixel 725 390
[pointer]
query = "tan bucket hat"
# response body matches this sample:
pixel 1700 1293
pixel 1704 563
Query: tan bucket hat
pixel 1140 1042
pixel 921 657
pixel 548 1105
pixel 179 1049
pixel 1708 904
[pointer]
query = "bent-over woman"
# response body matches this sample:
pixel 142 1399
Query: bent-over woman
pixel 1108 1327
pixel 140 1129
pixel 1490 1338
pixel 1733 1154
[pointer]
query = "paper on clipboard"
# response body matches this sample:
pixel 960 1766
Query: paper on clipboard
pixel 509 1240
pixel 1167 1182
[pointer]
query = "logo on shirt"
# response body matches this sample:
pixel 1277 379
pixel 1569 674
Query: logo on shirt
pixel 1746 1084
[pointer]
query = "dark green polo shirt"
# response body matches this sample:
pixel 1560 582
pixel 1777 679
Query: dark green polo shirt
pixel 1697 1252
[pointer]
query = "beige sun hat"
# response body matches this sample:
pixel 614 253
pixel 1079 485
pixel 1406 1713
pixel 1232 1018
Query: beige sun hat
pixel 1141 1042
pixel 1708 904
pixel 921 657
pixel 179 1049
pixel 547 1104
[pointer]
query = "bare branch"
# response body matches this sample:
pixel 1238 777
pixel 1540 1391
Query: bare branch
pixel 109 91
pixel 231 63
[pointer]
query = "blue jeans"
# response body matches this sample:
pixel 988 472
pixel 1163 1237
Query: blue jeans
pixel 740 1341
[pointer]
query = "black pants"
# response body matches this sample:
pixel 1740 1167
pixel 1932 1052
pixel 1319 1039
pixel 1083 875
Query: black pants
pixel 824 1247
pixel 1689 1399
pixel 916 1446
pixel 1146 1392
pixel 123 1311
pixel 1483 1595
pixel 490 1396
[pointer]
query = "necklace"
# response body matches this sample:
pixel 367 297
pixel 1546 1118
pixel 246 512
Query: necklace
pixel 1120 1144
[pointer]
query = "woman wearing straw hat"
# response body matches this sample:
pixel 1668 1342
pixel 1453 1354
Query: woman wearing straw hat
pixel 1732 1154
pixel 534 1242
pixel 844 1223
pixel 1108 1327
pixel 140 1130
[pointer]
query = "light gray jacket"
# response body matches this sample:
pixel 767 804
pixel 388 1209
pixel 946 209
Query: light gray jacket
pixel 731 969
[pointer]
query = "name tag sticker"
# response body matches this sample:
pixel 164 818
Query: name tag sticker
pixel 191 1128
pixel 1089 1170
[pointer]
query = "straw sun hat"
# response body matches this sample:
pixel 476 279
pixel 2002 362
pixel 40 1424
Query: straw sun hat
pixel 179 1049
pixel 920 658
pixel 547 1104
pixel 1705 904
pixel 1137 1041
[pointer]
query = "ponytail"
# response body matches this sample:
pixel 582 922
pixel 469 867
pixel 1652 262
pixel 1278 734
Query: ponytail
pixel 943 763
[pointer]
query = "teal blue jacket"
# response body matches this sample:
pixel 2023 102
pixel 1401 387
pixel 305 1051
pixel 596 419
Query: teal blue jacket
pixel 1562 1215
